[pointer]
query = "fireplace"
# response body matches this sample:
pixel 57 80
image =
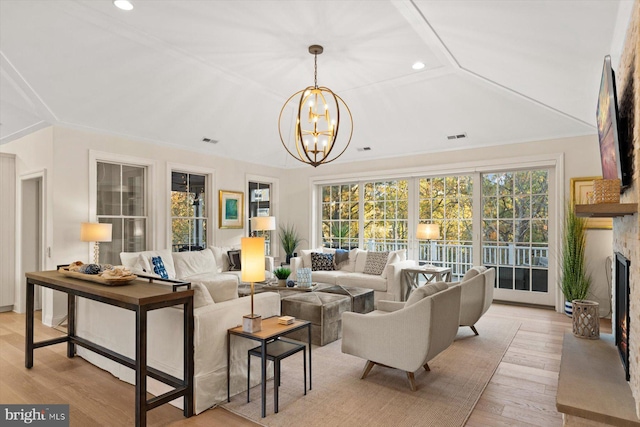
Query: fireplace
pixel 622 310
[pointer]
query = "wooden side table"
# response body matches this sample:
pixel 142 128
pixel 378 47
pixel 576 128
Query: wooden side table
pixel 271 330
pixel 411 277
pixel 140 296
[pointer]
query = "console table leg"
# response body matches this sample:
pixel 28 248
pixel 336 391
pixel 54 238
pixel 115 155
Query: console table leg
pixel 263 354
pixel 28 354
pixel 141 367
pixel 71 324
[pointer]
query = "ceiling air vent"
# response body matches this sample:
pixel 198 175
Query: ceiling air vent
pixel 210 141
pixel 364 149
pixel 457 136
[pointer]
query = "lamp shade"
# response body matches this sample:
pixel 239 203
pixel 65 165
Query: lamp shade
pixel 95 232
pixel 428 231
pixel 252 259
pixel 263 223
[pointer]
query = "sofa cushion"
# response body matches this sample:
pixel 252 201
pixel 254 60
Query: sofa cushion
pixel 201 296
pixel 361 260
pixel 376 262
pixel 329 277
pixel 425 291
pixel 235 257
pixel 129 259
pixel 361 280
pixel 221 257
pixel 306 256
pixel 321 262
pixel 196 262
pixel 221 286
pixel 350 266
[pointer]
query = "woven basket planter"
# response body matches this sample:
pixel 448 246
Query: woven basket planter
pixel 606 190
pixel 586 319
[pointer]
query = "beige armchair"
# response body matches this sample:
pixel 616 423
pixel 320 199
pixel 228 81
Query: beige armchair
pixel 404 335
pixel 477 294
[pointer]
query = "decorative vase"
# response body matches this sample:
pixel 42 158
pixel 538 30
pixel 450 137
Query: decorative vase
pixel 568 308
pixel 586 319
pixel 289 258
pixel 282 283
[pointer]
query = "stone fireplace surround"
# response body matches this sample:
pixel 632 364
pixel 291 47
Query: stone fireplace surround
pixel 626 229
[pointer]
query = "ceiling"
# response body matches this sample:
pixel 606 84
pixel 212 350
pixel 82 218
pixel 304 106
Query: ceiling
pixel 175 72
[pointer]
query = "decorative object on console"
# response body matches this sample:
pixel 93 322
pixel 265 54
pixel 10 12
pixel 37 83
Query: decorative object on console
pixel 95 232
pixel 319 108
pixel 230 209
pixel 282 273
pixel 252 251
pixel 575 282
pixel 289 239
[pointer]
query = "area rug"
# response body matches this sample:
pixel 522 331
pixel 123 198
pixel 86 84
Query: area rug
pixel 445 396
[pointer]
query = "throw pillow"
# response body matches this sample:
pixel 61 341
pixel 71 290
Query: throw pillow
pixel 393 258
pixel 321 262
pixel 234 260
pixel 425 291
pixel 158 267
pixel 341 256
pixel 306 256
pixel 376 261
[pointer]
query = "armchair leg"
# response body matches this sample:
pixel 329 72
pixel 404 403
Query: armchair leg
pixel 367 369
pixel 426 367
pixel 473 328
pixel 412 382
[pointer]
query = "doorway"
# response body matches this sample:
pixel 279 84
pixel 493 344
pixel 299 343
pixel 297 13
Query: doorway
pixel 31 231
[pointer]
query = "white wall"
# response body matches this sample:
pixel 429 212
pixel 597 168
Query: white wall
pixel 581 159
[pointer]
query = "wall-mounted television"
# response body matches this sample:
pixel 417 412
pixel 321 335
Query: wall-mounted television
pixel 613 150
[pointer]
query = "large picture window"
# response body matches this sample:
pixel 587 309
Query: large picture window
pixel 340 216
pixel 188 212
pixel 121 201
pixel 386 215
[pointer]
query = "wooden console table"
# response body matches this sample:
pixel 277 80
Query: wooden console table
pixel 140 296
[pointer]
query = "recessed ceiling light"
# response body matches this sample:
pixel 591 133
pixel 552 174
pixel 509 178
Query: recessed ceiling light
pixel 418 65
pixel 123 4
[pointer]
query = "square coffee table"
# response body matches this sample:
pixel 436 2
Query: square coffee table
pixel 361 298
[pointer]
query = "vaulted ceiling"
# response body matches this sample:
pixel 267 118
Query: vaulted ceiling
pixel 176 71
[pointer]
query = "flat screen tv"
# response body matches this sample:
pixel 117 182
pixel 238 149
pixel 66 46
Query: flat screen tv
pixel 612 148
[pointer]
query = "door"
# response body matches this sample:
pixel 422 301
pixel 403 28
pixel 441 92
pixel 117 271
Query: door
pixel 32 246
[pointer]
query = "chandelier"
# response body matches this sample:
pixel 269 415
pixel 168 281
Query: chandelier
pixel 317 122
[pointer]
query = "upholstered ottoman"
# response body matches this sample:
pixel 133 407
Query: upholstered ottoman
pixel 361 298
pixel 323 310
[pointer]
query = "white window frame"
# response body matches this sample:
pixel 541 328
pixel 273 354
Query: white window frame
pixel 209 198
pixel 273 205
pixel 148 164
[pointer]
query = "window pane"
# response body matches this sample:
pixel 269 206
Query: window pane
pixel 108 186
pixel 110 251
pixel 134 234
pixel 133 191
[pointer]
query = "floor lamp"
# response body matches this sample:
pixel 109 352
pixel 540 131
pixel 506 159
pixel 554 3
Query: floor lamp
pixel 252 270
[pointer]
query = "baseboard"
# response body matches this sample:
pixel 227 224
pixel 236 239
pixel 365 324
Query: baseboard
pixel 55 321
pixel 522 304
pixel 6 308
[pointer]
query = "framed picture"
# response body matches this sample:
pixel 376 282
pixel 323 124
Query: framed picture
pixel 581 192
pixel 230 209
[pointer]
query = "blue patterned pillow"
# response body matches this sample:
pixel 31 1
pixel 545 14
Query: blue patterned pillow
pixel 158 267
pixel 321 262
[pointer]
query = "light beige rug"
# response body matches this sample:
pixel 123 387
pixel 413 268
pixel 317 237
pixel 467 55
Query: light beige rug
pixel 445 396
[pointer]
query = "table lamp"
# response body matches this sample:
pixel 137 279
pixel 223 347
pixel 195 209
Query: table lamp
pixel 95 232
pixel 428 232
pixel 263 223
pixel 252 270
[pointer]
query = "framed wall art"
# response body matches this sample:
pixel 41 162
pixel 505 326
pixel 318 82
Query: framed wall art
pixel 582 194
pixel 230 209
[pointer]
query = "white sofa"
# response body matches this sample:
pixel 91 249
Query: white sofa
pixel 114 328
pixel 386 286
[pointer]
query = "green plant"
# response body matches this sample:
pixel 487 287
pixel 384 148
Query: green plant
pixel 282 273
pixel 575 282
pixel 289 238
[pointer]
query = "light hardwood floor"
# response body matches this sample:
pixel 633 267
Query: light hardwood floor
pixel 522 392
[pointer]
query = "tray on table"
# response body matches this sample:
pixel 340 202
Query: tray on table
pixel 116 281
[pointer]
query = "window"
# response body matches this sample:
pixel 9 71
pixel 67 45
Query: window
pixel 121 201
pixel 386 215
pixel 188 212
pixel 260 205
pixel 515 218
pixel 448 202
pixel 340 215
